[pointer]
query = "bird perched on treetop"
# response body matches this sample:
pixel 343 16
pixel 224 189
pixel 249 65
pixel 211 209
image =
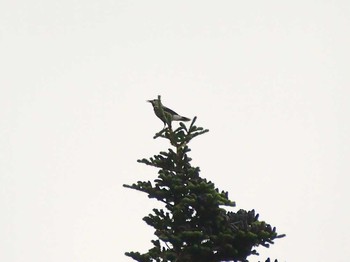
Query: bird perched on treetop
pixel 165 114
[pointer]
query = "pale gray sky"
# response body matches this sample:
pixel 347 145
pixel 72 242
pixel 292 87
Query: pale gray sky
pixel 270 79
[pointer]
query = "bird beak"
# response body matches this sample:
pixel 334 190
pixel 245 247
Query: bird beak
pixel 149 101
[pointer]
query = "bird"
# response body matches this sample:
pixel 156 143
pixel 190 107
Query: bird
pixel 166 115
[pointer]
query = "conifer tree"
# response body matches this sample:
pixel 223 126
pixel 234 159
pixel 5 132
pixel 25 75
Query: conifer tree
pixel 193 225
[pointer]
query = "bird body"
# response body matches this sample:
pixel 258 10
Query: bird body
pixel 166 114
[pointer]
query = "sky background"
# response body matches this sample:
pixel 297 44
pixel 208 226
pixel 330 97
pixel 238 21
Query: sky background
pixel 269 79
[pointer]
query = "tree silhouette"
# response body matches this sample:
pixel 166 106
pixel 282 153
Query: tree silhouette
pixel 193 225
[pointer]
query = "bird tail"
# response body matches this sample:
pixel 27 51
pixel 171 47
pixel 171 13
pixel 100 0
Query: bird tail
pixel 180 118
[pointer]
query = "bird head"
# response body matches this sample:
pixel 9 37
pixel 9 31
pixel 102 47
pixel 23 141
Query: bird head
pixel 154 102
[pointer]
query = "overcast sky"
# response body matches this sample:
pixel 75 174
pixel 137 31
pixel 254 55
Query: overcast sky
pixel 269 79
